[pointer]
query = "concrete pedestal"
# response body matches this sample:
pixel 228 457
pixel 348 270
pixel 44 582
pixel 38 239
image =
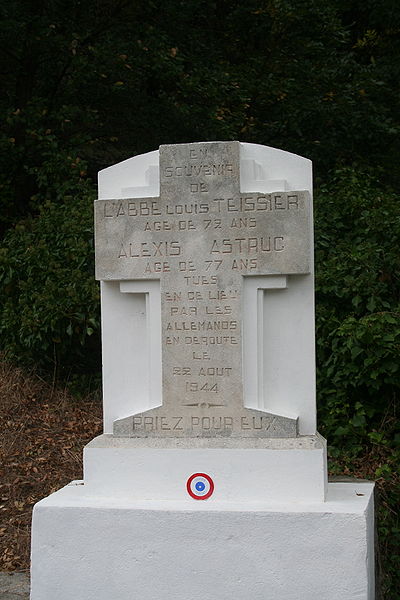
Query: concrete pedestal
pixel 87 547
pixel 288 469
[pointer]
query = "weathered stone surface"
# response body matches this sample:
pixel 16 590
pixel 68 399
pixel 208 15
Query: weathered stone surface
pixel 200 238
pixel 209 421
pixel 301 442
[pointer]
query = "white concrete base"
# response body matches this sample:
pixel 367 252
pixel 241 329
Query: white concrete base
pixel 243 470
pixel 88 547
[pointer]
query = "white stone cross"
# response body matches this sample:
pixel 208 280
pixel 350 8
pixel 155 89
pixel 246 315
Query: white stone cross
pixel 203 240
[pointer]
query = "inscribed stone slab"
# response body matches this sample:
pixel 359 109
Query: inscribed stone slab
pixel 200 238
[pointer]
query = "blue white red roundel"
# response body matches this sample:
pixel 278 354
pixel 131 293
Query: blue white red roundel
pixel 200 486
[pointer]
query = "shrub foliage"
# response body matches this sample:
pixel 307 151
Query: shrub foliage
pixel 50 305
pixel 357 295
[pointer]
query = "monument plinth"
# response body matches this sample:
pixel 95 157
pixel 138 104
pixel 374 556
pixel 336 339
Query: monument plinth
pixel 205 256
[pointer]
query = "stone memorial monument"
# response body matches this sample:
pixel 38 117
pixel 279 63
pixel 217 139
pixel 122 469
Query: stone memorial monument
pixel 210 479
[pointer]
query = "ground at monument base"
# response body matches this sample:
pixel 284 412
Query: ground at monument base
pixel 14 586
pixel 97 548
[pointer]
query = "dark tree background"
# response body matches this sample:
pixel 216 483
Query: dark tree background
pixel 109 79
pixel 86 84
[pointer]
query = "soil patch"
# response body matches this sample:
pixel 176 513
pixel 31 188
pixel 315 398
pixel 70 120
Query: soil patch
pixel 42 434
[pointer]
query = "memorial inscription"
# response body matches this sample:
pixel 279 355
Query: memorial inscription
pixel 200 238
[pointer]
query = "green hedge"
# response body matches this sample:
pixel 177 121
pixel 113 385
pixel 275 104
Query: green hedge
pixel 357 227
pixel 49 303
